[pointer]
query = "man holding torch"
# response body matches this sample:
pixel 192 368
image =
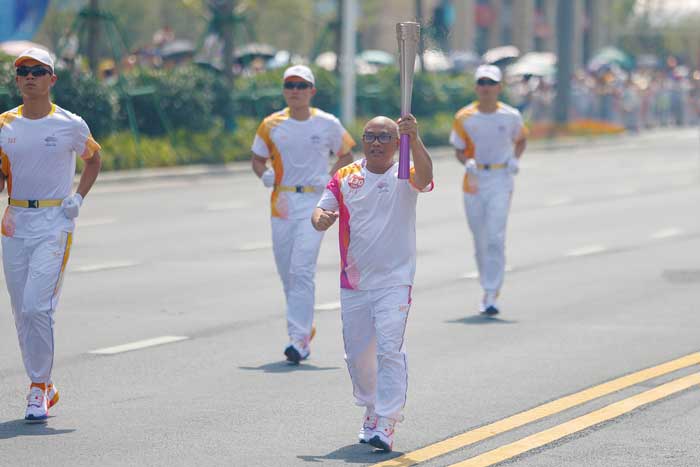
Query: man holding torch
pixel 377 211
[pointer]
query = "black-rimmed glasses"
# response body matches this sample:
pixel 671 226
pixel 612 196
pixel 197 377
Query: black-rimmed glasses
pixel 36 71
pixel 383 138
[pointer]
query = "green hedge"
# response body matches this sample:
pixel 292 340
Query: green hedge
pixel 194 103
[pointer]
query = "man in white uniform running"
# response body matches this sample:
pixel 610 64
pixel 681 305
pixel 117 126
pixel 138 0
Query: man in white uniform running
pixel 298 141
pixel 377 237
pixel 489 138
pixel 38 145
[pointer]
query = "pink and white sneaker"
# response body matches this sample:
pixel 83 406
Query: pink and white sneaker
pixel 383 434
pixel 37 410
pixel 369 423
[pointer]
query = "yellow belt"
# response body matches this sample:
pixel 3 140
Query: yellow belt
pixel 295 189
pixel 34 203
pixel 491 166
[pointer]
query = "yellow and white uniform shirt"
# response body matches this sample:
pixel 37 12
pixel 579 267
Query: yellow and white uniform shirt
pixel 299 152
pixel 489 138
pixel 37 157
pixel 377 232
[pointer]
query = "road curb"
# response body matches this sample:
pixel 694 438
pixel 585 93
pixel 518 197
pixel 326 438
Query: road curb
pixel 204 170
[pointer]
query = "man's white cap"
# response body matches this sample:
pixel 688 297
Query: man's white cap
pixel 40 55
pixel 303 72
pixel 488 71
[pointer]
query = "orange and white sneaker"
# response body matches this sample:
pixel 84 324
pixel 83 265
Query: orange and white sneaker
pixel 369 423
pixel 37 410
pixel 383 434
pixel 52 395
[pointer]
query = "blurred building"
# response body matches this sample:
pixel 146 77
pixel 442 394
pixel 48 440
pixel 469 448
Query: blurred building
pixel 480 25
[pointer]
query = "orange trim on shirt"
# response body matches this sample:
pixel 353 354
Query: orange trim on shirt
pixel 91 147
pixel 458 126
pixel 263 132
pixel 347 145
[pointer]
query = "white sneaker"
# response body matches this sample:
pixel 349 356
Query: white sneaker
pixel 383 434
pixel 296 352
pixel 369 423
pixel 37 410
pixel 51 395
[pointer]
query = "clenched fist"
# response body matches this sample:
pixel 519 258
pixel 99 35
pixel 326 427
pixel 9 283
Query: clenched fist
pixel 323 219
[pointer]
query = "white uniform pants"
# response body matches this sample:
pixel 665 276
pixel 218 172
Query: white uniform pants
pixel 374 323
pixel 295 244
pixel 487 215
pixel 34 270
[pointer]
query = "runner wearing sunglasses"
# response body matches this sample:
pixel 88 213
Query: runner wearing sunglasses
pixel 298 142
pixel 38 145
pixel 489 138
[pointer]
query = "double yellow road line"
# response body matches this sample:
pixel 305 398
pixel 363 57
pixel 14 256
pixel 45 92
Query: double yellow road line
pixel 560 431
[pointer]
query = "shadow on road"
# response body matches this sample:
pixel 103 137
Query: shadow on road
pixel 481 320
pixel 354 454
pixel 17 428
pixel 284 367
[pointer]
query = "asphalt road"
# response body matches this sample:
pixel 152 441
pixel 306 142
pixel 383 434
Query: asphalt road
pixel 604 281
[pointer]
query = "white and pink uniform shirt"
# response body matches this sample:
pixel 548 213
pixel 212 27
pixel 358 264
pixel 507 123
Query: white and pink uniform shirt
pixel 377 232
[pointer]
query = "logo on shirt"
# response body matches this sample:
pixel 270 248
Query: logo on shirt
pixel 383 187
pixel 50 141
pixel 315 139
pixel 356 181
pixel 502 128
pixel 11 140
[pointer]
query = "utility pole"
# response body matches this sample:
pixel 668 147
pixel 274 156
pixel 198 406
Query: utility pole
pixel 93 35
pixel 223 11
pixel 347 61
pixel 565 27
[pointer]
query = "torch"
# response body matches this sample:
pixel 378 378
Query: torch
pixel 407 34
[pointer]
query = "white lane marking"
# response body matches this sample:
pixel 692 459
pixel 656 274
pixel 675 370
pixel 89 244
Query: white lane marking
pixel 475 274
pixel 328 306
pixel 667 233
pixel 97 221
pixel 105 266
pixel 226 206
pixel 626 191
pixel 127 188
pixel 254 246
pixel 138 345
pixel 587 250
pixel 562 200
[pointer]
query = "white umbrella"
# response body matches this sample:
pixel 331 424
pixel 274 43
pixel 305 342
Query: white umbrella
pixel 14 48
pixel 534 63
pixel 505 52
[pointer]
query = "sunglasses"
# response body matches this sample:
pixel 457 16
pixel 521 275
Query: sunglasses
pixel 36 71
pixel 486 82
pixel 370 138
pixel 297 85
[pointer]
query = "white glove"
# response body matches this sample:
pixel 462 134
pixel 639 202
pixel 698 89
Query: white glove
pixel 513 165
pixel 470 166
pixel 71 205
pixel 268 178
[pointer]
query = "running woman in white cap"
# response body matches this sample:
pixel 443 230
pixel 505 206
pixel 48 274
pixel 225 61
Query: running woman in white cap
pixel 38 145
pixel 489 138
pixel 298 142
pixel 377 235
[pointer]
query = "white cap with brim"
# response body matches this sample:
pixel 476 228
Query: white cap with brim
pixel 491 72
pixel 301 71
pixel 40 55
